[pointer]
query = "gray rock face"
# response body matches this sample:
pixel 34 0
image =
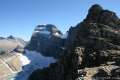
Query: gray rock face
pixel 92 43
pixel 48 40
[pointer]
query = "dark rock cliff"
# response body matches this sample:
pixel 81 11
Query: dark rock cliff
pixel 91 46
pixel 47 40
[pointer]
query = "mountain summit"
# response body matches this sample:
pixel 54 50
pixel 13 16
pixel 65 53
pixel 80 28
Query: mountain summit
pixel 48 40
pixel 48 29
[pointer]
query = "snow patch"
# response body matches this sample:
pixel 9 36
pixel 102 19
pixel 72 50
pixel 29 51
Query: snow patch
pixel 57 34
pixel 40 28
pixel 37 58
pixel 32 60
pixel 64 35
pixel 24 59
pixel 45 32
pixel 42 32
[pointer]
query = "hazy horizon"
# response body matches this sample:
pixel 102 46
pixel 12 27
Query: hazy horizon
pixel 19 17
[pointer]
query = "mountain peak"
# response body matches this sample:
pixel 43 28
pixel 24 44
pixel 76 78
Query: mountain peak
pixel 96 7
pixel 43 26
pixel 46 39
pixel 96 14
pixel 48 29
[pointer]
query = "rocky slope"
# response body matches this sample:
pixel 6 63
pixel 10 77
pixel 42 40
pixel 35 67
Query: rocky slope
pixel 92 50
pixel 17 63
pixel 10 43
pixel 48 40
pixel 10 60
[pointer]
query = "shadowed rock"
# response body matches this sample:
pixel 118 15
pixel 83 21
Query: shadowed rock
pixel 91 43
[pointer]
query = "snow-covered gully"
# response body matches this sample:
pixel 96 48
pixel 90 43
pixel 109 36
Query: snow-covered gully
pixel 31 61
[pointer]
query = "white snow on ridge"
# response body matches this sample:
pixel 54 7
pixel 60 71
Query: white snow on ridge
pixel 64 35
pixel 37 58
pixel 57 34
pixel 24 60
pixel 40 28
pixel 43 32
pixel 31 61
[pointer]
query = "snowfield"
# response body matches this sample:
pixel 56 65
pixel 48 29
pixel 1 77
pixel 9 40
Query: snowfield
pixel 31 61
pixel 24 60
pixel 39 60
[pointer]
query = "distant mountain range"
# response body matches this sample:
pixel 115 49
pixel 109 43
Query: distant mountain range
pixel 88 51
pixel 11 43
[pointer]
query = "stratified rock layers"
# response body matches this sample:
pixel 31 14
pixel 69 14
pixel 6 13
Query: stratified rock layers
pixel 93 44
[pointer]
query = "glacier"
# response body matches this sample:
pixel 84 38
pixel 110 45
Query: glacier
pixel 32 60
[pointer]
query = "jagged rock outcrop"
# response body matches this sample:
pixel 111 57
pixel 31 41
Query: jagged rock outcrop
pixel 92 43
pixel 47 40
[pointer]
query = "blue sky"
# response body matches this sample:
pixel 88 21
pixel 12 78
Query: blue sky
pixel 19 17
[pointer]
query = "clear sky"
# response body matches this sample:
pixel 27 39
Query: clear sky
pixel 19 17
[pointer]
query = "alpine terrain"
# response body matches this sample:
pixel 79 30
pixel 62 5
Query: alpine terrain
pixel 88 51
pixel 92 50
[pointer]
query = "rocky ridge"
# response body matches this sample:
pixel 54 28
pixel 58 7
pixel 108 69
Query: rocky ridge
pixel 10 43
pixel 92 50
pixel 10 60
